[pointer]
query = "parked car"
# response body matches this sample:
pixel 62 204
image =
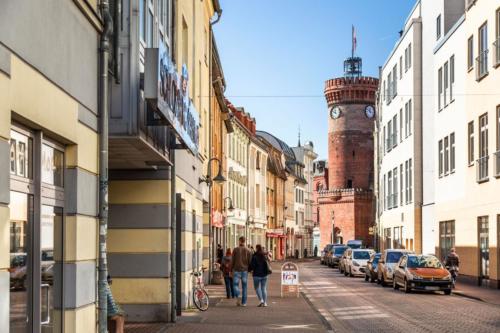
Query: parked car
pixel 324 253
pixel 386 264
pixel 355 244
pixel 342 260
pixel 421 272
pixel 17 271
pixel 335 255
pixel 355 261
pixel 371 267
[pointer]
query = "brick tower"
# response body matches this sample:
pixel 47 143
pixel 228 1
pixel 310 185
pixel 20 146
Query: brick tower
pixel 346 205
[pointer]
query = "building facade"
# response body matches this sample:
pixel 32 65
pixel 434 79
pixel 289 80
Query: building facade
pixel 345 202
pixel 257 184
pixel 49 165
pixel 306 155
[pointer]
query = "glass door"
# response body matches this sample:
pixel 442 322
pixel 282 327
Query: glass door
pixel 21 223
pixel 484 250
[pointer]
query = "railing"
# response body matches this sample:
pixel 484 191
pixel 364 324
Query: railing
pixel 497 164
pixel 496 47
pixel 482 169
pixel 157 136
pixel 482 65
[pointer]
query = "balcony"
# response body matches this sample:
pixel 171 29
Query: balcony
pixel 497 164
pixel 482 169
pixel 496 47
pixel 482 65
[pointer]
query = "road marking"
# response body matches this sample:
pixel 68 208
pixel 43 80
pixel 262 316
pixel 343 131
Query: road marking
pixel 353 308
pixel 373 315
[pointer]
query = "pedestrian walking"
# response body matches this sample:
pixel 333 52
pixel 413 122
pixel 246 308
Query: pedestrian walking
pixel 260 270
pixel 241 263
pixel 305 252
pixel 315 251
pixel 226 266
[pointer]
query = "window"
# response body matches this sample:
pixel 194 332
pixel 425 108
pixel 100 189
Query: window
pixel 471 142
pixel 21 155
pixel 484 246
pixel 397 240
pixel 482 163
pixel 150 30
pixel 395 187
pixel 401 184
pixel 395 131
pixel 388 238
pixel 52 162
pixel 440 87
pixel 257 195
pixel 410 180
pixel 441 157
pixel 400 125
pixel 385 191
pixel 389 189
pixel 407 183
pixel 496 43
pixel 438 27
pixel 389 136
pixel 389 88
pixel 185 42
pixel 452 152
pixel 406 59
pixel 482 59
pixel 406 120
pixel 409 55
pixel 445 69
pixel 446 238
pixel 400 67
pixel 383 91
pixel 497 154
pixel 257 161
pixel 395 81
pixel 410 111
pixel 446 156
pixel 470 52
pixel 452 77
pixel 384 142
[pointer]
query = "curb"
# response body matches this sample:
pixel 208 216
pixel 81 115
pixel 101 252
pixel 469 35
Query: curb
pixel 462 294
pixel 325 322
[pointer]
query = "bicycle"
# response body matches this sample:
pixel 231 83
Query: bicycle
pixel 200 295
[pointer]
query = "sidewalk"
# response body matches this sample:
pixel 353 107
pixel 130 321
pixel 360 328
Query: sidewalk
pixel 291 314
pixel 487 295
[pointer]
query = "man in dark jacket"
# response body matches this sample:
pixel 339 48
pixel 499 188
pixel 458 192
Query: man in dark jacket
pixel 241 262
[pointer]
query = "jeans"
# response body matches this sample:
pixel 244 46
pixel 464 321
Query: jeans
pixel 229 286
pixel 243 276
pixel 260 285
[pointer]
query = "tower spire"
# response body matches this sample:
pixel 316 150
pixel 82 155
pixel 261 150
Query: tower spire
pixel 299 137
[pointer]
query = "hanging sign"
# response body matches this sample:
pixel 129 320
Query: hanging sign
pixel 168 95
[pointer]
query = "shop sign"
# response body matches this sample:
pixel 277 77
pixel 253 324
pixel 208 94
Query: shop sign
pixel 237 176
pixel 168 94
pixel 289 279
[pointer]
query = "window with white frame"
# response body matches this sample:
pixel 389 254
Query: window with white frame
pixel 452 152
pixel 395 187
pixel 401 184
pixel 410 180
pixel 470 135
pixel 452 77
pixel 441 158
pixel 440 88
pixel 395 131
pixel 470 53
pixel 445 81
pixel 407 182
pixel 394 81
pixel 400 125
pixel 400 67
pixel 389 135
pixel 446 155
pixel 438 27
pixel 389 189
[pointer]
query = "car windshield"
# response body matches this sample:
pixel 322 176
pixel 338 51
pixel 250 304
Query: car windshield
pixel 361 255
pixel 354 245
pixel 393 257
pixel 339 250
pixel 424 262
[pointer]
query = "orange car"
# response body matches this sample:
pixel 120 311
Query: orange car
pixel 421 272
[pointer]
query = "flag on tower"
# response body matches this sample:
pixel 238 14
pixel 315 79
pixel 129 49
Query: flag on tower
pixel 354 41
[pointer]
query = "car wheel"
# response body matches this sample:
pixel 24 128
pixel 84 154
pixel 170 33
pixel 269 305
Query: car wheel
pixel 407 287
pixel 367 278
pixel 394 284
pixel 350 272
pixel 447 292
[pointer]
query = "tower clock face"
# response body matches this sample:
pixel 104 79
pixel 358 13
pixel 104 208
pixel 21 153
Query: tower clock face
pixel 335 112
pixel 370 111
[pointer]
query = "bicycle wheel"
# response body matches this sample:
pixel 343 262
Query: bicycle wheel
pixel 200 299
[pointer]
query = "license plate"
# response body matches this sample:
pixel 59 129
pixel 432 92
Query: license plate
pixel 431 288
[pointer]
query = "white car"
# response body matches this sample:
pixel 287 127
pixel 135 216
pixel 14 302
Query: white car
pixel 356 260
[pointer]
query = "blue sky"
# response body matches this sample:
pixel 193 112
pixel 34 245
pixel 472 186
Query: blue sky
pixel 277 54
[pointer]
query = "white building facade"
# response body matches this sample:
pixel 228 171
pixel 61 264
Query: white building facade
pixel 257 184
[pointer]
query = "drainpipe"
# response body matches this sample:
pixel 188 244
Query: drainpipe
pixel 211 245
pixel 103 165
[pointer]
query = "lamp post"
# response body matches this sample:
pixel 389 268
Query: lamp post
pixel 247 222
pixel 229 208
pixel 219 179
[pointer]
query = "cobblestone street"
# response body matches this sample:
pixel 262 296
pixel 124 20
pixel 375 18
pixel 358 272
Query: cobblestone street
pixel 353 305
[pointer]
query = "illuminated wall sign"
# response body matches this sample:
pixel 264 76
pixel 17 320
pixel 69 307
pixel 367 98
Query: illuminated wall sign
pixel 167 93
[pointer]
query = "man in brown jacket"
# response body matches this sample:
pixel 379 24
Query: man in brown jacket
pixel 241 261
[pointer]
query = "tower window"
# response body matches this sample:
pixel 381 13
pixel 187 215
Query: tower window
pixel 349 183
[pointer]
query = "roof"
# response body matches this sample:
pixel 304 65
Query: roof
pixel 278 144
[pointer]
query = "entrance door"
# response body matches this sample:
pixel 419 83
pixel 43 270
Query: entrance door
pixel 484 249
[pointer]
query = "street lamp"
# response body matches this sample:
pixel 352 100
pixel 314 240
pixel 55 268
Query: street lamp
pixel 247 222
pixel 208 178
